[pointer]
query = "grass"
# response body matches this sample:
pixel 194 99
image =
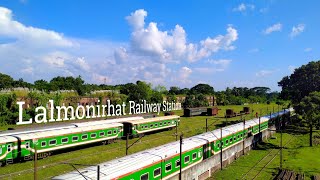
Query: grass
pixel 189 126
pixel 297 156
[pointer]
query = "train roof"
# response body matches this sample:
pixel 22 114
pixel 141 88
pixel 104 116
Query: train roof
pixel 161 118
pixel 50 133
pixel 117 167
pixel 106 121
pixel 131 163
pixel 36 129
pixel 6 139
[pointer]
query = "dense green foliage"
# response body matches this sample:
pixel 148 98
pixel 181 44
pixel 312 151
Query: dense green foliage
pixel 241 95
pixel 301 82
pixel 302 89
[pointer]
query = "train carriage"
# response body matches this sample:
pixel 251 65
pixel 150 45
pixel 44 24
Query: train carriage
pixel 8 149
pixel 136 127
pixel 49 141
pixel 158 163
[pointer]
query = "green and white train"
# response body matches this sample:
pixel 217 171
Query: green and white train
pixel 17 145
pixel 163 162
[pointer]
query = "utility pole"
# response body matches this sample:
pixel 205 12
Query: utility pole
pixel 176 130
pixel 206 124
pixel 127 142
pixel 180 168
pixel 244 126
pixel 98 172
pixel 35 160
pixel 221 144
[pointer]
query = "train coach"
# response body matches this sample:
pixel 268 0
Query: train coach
pixel 17 145
pixel 137 127
pixel 23 146
pixel 163 162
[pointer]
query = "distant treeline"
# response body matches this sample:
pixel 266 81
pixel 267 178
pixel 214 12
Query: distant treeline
pixel 42 91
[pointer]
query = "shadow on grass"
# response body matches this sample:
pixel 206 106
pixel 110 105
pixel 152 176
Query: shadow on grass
pixel 266 146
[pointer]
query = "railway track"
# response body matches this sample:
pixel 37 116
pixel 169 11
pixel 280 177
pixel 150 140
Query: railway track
pixel 255 170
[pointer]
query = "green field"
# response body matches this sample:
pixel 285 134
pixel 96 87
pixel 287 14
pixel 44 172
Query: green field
pixel 54 165
pixel 297 156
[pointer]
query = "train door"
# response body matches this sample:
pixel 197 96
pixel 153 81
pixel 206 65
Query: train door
pixel 26 149
pixel 9 150
pixel 206 151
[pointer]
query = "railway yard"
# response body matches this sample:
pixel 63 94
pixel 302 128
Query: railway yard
pixel 92 155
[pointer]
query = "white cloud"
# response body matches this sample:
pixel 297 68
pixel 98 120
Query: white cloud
pixel 169 46
pixel 265 73
pixel 296 30
pixel 35 53
pixel 273 28
pixel 307 49
pixel 243 7
pixel 184 74
pixel 29 35
pixel 215 66
pixel 136 19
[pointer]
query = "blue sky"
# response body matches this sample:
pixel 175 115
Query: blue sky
pixel 171 43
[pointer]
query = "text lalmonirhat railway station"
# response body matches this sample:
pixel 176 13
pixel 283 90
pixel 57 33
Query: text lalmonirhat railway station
pixel 94 111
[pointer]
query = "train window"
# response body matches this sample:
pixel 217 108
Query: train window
pixel 222 144
pixel 164 123
pixel 156 172
pixel 114 131
pixel 230 140
pixel 234 138
pixel 227 141
pixel 151 125
pixel 109 132
pixel 168 167
pixel 146 126
pixel 218 144
pixel 186 159
pixel 27 145
pixel 178 163
pixel 238 136
pixel 101 134
pixel 160 124
pixel 194 156
pixel 43 144
pixel 64 140
pixel 156 125
pixel 9 147
pixel 52 142
pixel 85 136
pixel 94 135
pixel 75 138
pixel 169 123
pixel 145 176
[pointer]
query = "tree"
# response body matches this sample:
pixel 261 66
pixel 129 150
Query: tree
pixel 309 109
pixel 174 90
pixel 203 89
pixel 301 82
pixel 161 89
pixel 6 81
pixel 41 85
